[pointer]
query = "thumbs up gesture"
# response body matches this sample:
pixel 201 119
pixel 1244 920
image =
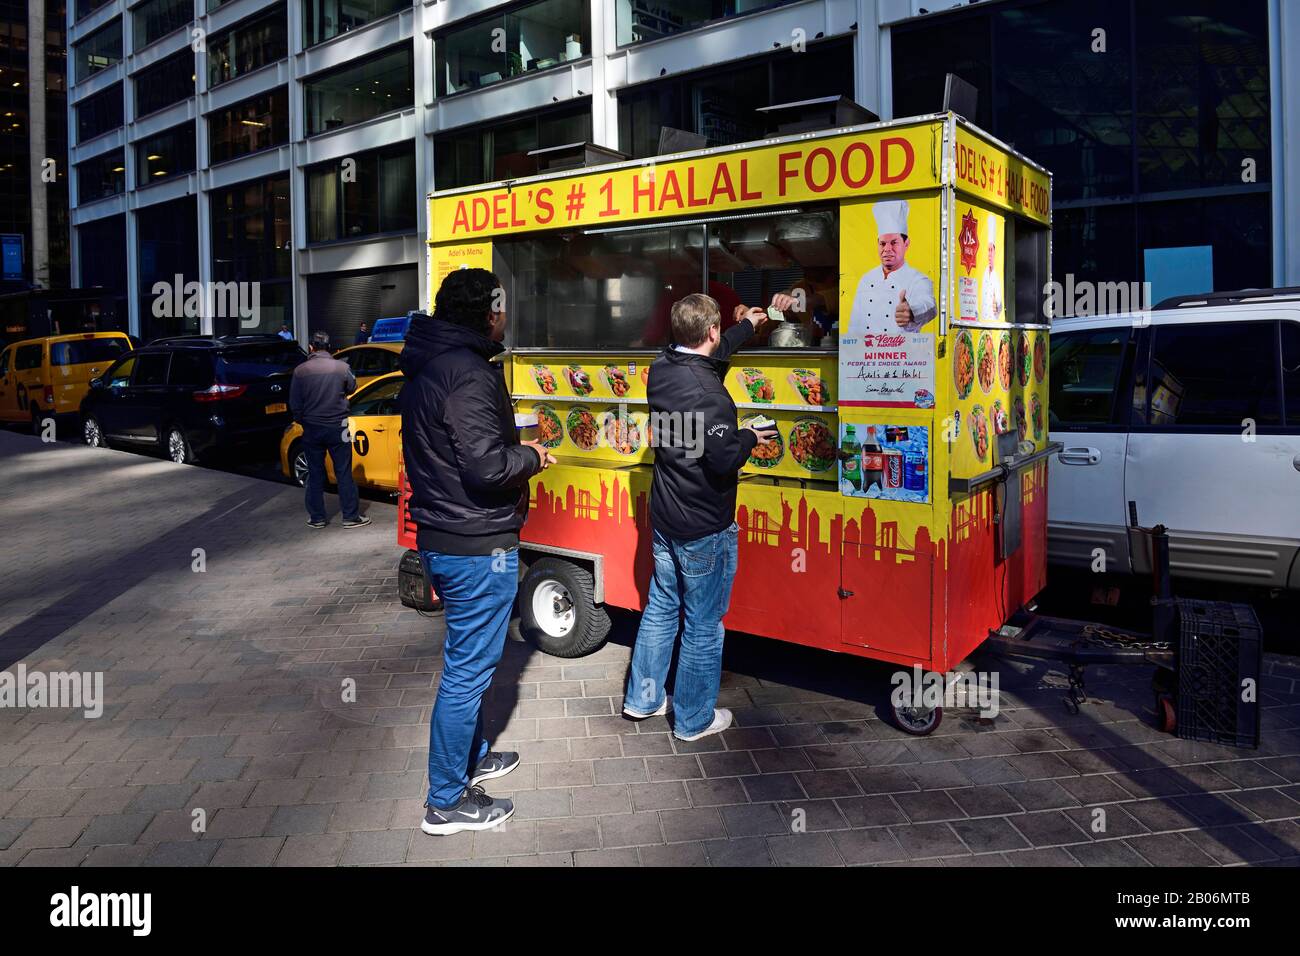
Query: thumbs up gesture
pixel 902 311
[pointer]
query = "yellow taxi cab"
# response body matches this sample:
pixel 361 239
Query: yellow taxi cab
pixel 371 360
pixel 375 423
pixel 50 375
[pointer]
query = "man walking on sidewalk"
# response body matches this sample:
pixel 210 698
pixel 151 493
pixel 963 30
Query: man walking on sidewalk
pixel 318 400
pixel 699 451
pixel 469 474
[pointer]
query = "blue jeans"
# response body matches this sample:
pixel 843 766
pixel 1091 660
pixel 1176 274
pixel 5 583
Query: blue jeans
pixel 316 441
pixel 477 595
pixel 695 575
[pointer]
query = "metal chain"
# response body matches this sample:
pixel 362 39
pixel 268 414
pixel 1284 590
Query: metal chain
pixel 1100 636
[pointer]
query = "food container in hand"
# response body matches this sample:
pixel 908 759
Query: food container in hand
pixel 526 425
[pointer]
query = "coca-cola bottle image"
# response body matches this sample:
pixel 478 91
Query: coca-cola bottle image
pixel 872 459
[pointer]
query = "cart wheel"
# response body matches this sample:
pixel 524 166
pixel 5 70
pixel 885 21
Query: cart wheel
pixel 917 721
pixel 557 609
pixel 1166 715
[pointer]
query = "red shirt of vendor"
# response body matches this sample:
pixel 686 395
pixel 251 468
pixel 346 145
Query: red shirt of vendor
pixel 659 326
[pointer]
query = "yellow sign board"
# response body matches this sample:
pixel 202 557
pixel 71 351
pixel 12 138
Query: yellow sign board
pixel 442 260
pixel 888 160
pixel 1000 179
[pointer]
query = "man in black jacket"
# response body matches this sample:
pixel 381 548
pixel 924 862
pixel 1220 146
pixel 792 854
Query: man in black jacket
pixel 699 450
pixel 469 474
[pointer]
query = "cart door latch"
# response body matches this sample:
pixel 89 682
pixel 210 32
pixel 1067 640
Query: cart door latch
pixel 843 593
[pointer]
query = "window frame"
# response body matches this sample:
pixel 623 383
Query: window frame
pixel 1121 398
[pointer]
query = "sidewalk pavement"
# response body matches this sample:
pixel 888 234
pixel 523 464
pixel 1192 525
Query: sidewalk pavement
pixel 225 704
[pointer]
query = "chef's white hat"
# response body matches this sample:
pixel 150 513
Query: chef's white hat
pixel 891 217
pixel 991 221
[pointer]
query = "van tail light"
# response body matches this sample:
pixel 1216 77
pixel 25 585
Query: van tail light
pixel 49 394
pixel 217 392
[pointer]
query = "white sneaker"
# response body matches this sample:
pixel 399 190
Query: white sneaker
pixel 663 709
pixel 721 721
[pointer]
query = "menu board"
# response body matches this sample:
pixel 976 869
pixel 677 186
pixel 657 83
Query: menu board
pixel 999 386
pixel 980 265
pixel 614 378
pixel 800 379
pixel 595 430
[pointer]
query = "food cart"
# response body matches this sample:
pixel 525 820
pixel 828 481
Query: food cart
pixel 901 515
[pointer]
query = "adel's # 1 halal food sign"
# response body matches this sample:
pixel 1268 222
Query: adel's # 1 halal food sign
pixel 887 160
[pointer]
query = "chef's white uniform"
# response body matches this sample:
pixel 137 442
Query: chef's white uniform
pixel 877 295
pixel 991 304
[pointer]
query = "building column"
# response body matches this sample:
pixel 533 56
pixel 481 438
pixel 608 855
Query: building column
pixel 1284 57
pixel 604 101
pixel 37 145
pixel 422 50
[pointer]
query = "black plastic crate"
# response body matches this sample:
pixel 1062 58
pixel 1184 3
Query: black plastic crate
pixel 1220 647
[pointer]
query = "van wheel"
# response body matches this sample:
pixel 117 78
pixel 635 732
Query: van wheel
pixel 298 464
pixel 558 612
pixel 178 446
pixel 36 421
pixel 92 433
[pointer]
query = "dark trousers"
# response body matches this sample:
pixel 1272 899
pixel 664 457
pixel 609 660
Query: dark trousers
pixel 316 441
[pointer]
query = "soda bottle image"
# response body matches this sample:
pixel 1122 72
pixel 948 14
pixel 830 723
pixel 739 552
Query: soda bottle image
pixel 873 461
pixel 851 458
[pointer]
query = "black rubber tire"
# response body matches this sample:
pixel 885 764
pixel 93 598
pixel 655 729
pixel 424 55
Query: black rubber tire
pixel 294 451
pixel 103 440
pixel 591 621
pixel 927 725
pixel 36 421
pixel 190 458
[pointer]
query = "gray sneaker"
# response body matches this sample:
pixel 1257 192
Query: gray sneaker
pixel 495 764
pixel 360 521
pixel 476 811
pixel 313 523
pixel 721 721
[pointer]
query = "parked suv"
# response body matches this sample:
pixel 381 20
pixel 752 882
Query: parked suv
pixel 1192 411
pixel 50 375
pixel 192 397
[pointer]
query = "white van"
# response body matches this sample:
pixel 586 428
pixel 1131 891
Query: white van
pixel 1191 410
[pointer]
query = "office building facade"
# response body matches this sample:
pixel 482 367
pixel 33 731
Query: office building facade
pixel 288 145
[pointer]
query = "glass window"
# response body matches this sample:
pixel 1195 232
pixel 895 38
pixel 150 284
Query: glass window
pixel 252 242
pixel 251 363
pixel 1237 228
pixel 1214 374
pixel 370 361
pixel 151 369
pixel 379 196
pixel 102 176
pixel 99 113
pixel 1058 100
pixel 580 290
pixel 28 357
pixel 1085 369
pixel 489 152
pixel 99 51
pixel 247 127
pixel 85 351
pixel 325 19
pixel 378 399
pixel 247 47
pixel 1202 93
pixel 167 246
pixel 361 91
pixel 164 83
pixel 86 7
pixel 526 39
pixel 4 362
pixel 154 19
pixel 720 105
pixel 190 368
pixel 639 20
pixel 1291 371
pixel 168 154
pixel 120 375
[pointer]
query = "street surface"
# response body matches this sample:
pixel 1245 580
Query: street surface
pixel 224 693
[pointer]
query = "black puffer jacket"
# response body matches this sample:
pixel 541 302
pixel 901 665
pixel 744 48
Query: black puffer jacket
pixel 467 471
pixel 698 447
